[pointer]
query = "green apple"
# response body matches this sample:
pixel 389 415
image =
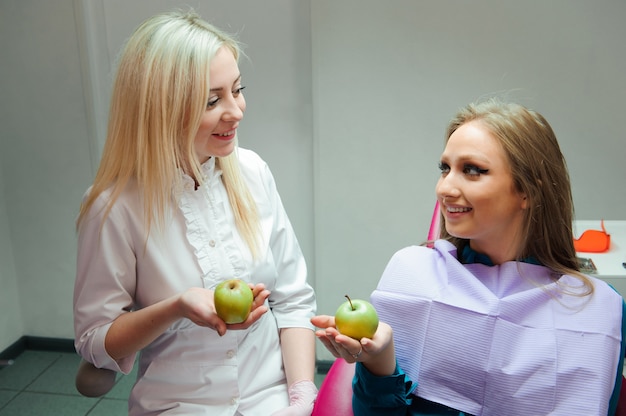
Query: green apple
pixel 357 319
pixel 233 300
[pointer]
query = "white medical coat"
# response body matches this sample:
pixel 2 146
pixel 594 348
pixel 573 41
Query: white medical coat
pixel 190 369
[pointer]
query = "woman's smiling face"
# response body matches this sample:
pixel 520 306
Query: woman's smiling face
pixel 225 108
pixel 478 198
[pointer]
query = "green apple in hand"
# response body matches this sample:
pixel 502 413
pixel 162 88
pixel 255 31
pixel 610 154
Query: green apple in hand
pixel 233 301
pixel 357 319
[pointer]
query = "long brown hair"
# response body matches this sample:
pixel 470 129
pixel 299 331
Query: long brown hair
pixel 539 171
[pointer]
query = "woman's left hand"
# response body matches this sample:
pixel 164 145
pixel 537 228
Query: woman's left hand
pixel 377 353
pixel 340 346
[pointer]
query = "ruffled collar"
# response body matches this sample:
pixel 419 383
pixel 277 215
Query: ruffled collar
pixel 210 175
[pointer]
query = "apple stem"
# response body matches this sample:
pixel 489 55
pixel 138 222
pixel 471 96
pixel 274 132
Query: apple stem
pixel 350 300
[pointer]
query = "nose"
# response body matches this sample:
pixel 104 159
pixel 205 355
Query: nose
pixel 234 108
pixel 447 187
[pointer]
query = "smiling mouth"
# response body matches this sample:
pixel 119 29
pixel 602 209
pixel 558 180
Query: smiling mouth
pixel 226 134
pixel 458 209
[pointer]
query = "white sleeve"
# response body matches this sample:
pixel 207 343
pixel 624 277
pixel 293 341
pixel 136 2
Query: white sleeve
pixel 105 283
pixel 292 299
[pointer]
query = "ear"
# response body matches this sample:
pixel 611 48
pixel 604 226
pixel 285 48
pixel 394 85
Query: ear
pixel 524 201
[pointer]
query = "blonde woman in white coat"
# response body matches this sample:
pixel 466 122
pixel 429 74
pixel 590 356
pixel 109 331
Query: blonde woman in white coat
pixel 175 208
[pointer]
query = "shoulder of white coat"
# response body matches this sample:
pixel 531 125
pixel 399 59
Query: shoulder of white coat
pixel 250 159
pixel 256 171
pixel 128 203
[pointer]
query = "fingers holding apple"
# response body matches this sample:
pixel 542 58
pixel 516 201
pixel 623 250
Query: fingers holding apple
pixel 340 346
pixel 323 321
pixel 327 331
pixel 260 295
pixel 374 351
pixel 258 307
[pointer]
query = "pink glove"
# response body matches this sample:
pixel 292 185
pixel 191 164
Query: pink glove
pixel 302 396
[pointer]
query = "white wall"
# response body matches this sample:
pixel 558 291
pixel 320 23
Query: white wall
pixel 11 327
pixel 44 162
pixel 347 101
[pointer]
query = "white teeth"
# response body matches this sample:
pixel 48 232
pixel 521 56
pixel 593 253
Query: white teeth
pixel 451 209
pixel 228 133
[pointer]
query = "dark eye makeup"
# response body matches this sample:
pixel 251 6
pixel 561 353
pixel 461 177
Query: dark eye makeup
pixel 468 169
pixel 473 170
pixel 236 92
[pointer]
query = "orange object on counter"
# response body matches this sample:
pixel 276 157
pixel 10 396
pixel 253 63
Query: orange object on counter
pixel 593 241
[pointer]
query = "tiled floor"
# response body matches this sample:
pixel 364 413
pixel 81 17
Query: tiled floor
pixel 42 383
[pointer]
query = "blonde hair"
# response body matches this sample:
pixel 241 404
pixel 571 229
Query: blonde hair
pixel 539 171
pixel 159 95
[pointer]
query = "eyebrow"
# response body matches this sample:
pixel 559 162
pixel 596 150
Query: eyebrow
pixel 221 88
pixel 468 158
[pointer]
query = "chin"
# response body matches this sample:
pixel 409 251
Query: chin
pixel 225 150
pixel 457 233
pixel 223 154
pixel 219 152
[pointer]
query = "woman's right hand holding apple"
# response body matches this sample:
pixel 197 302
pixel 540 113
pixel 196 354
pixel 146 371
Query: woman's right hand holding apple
pixel 198 305
pixel 130 332
pixel 377 354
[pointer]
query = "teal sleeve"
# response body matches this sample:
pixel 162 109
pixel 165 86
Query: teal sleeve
pixel 373 395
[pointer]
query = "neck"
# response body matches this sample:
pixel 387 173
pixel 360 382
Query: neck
pixel 496 252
